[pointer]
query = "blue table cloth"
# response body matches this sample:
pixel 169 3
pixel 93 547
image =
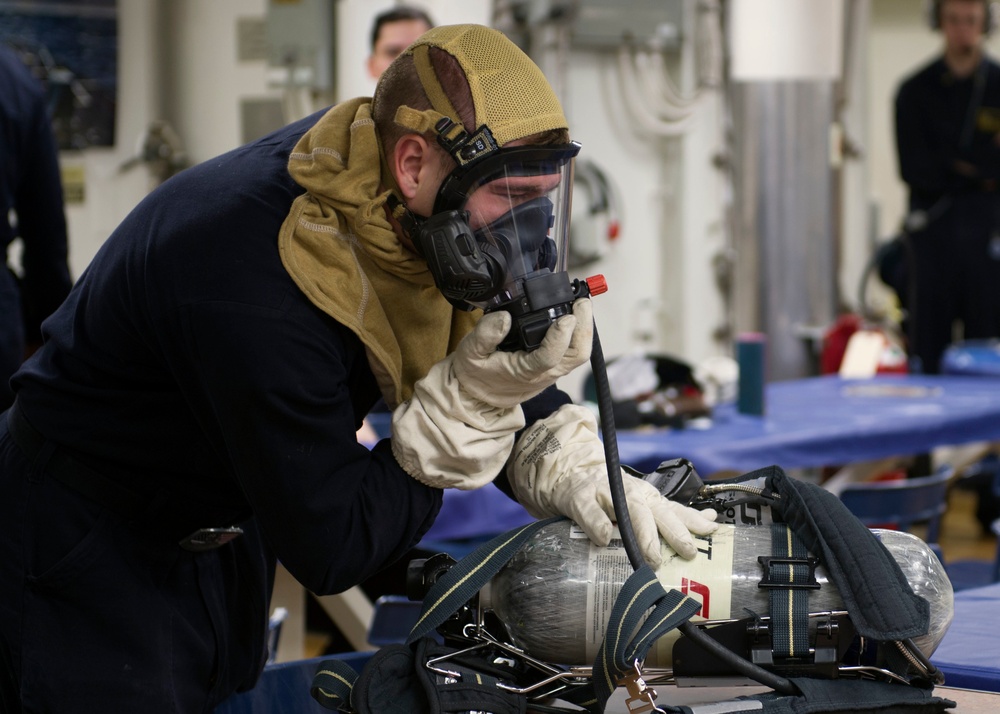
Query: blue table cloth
pixel 819 421
pixel 827 421
pixel 969 654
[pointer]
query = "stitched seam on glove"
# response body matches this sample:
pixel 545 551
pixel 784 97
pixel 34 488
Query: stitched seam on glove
pixel 540 446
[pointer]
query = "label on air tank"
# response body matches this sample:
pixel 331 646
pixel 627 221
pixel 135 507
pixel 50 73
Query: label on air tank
pixel 607 569
pixel 707 578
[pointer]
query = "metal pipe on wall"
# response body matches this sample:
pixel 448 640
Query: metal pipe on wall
pixel 786 58
pixel 785 274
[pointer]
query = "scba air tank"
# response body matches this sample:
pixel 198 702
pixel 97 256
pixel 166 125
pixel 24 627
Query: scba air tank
pixel 556 593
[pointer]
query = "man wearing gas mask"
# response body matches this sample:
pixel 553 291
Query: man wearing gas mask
pixel 192 415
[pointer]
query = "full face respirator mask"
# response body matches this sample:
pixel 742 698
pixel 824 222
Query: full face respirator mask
pixel 497 239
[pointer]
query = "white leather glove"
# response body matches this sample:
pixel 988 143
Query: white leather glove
pixel 505 379
pixel 458 428
pixel 558 469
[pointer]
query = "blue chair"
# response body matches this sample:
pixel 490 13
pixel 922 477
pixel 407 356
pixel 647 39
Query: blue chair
pixel 970 573
pixel 979 358
pixel 901 504
pixel 983 479
pixel 284 687
pixel 905 503
pixel 392 619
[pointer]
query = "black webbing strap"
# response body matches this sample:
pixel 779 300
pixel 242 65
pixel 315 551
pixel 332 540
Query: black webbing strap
pixel 468 576
pixel 398 680
pixel 829 696
pixel 789 576
pixel 642 593
pixel 334 680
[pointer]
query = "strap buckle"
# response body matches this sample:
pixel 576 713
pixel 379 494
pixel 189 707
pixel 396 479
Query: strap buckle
pixel 641 698
pixel 462 146
pixel 209 538
pixel 772 580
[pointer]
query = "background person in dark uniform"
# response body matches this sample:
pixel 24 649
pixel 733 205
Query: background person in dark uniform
pixel 211 366
pixel 392 32
pixel 30 187
pixel 948 141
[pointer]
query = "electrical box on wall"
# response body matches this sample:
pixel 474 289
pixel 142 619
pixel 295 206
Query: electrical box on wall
pixel 599 25
pixel 300 37
pixel 604 24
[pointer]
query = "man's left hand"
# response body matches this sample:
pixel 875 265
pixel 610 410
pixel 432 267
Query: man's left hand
pixel 558 468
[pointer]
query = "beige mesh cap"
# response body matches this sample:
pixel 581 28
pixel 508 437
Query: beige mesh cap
pixel 510 94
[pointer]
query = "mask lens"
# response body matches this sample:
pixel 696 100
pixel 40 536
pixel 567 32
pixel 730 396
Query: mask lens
pixel 520 216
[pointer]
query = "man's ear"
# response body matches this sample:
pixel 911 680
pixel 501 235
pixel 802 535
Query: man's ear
pixel 410 163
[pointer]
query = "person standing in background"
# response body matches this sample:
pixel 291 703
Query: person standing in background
pixel 31 195
pixel 948 142
pixel 392 32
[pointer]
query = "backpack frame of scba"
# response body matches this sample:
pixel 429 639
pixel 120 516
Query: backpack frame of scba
pixel 459 657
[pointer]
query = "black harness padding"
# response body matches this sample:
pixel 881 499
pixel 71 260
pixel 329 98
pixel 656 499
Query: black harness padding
pixel 397 681
pixel 474 689
pixel 871 583
pixel 387 684
pixel 847 695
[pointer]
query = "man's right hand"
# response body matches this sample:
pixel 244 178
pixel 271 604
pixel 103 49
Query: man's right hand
pixel 504 379
pixel 458 428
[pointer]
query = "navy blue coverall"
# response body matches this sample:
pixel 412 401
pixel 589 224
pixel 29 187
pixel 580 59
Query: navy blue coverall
pixel 188 371
pixel 946 129
pixel 30 185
